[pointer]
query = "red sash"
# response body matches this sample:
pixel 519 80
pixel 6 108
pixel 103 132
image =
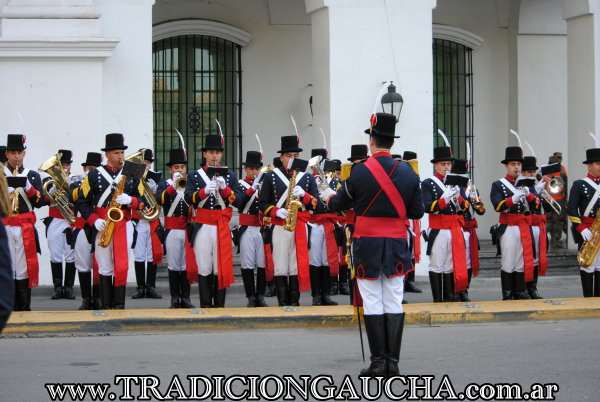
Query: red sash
pixel 471 227
pixel 269 266
pixel 220 218
pixel 387 186
pixel 350 217
pixel 120 247
pixel 301 248
pixel 191 266
pixel 55 213
pixel 459 256
pixel 523 222
pixel 328 221
pixel 95 273
pixel 417 240
pixel 249 220
pixel 157 250
pixel 540 220
pixel 79 223
pixel 26 221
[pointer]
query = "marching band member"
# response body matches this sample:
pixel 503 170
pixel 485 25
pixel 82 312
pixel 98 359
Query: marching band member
pixel 414 231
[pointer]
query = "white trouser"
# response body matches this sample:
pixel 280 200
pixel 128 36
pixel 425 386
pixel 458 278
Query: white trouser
pixel 143 243
pixel 468 248
pixel 512 250
pixel 536 244
pixel 440 260
pixel 205 248
pixel 175 246
pixel 104 255
pixel 83 253
pixel 252 249
pixel 17 252
pixel 318 247
pixel 383 295
pixel 57 241
pixel 284 252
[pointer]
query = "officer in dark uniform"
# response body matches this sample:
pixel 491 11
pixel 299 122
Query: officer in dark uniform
pixel 23 238
pixel 82 241
pixel 271 291
pixel 515 238
pixel 251 246
pixel 584 202
pixel 211 238
pixel 290 249
pixel 384 193
pixel 557 222
pixel 94 199
pixel 177 212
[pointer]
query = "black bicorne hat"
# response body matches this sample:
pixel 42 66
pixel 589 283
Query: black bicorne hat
pixel 67 156
pixel 358 152
pixel 213 142
pixel 529 163
pixel 148 155
pixel 318 151
pixel 591 155
pixel 409 155
pixel 290 143
pixel 512 154
pixel 441 154
pixel 114 141
pixel 383 125
pixel 93 159
pixel 177 156
pixel 15 142
pixel 253 159
pixel 460 166
pixel 277 162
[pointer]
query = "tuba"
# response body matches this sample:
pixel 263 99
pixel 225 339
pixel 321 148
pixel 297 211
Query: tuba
pixel 152 209
pixel 58 179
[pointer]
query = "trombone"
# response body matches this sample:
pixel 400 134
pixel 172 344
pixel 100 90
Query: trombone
pixel 556 186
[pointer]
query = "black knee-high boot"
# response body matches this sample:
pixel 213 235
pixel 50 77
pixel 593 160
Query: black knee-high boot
pixel 532 286
pixel 270 291
pixel 435 280
pixel 151 282
pixel 587 283
pixel 394 324
pixel 325 287
pixel 57 279
pixel 174 288
pixel 281 287
pixel 85 284
pixel 140 278
pixel 184 288
pixel 248 279
pixel 344 284
pixel 18 303
pixel 119 297
pixel 448 287
pixel 410 285
pixel 205 289
pixel 22 295
pixel 218 294
pixel 315 285
pixel 597 284
pixel 96 303
pixel 464 295
pixel 106 291
pixel 261 284
pixel 69 281
pixel 519 286
pixel 506 282
pixel 376 335
pixel 294 291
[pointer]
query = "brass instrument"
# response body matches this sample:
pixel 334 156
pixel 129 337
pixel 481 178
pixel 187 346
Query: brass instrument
pixel 314 163
pixel 113 215
pixel 181 183
pixel 151 209
pixel 5 201
pixel 556 184
pixel 291 205
pixel 526 210
pixel 14 196
pixel 589 249
pixel 58 179
pixel 475 199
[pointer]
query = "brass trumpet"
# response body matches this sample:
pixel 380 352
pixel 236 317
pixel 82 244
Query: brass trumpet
pixel 180 183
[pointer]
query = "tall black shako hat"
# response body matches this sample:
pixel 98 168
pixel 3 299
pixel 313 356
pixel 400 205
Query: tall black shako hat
pixel 290 143
pixel 67 156
pixel 529 163
pixel 358 152
pixel 591 155
pixel 177 156
pixel 15 142
pixel 409 155
pixel 148 155
pixel 114 141
pixel 318 151
pixel 92 159
pixel 512 154
pixel 441 154
pixel 253 159
pixel 460 166
pixel 213 142
pixel 383 125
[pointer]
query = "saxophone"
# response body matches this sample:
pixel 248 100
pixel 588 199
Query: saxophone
pixel 292 205
pixel 5 200
pixel 113 215
pixel 589 249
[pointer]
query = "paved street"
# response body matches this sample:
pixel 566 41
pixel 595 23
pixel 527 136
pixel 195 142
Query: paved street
pixel 542 352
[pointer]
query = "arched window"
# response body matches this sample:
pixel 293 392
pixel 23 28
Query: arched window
pixel 197 80
pixel 453 94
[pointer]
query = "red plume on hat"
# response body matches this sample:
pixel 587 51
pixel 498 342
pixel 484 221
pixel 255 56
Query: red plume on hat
pixel 24 138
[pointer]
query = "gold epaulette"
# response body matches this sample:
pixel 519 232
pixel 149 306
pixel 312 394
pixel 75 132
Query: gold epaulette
pixel 85 186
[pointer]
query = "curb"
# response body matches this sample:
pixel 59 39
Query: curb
pixel 41 323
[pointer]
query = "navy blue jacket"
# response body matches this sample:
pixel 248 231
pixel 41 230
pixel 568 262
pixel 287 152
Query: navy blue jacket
pixel 7 286
pixel 373 256
pixel 36 181
pixel 580 196
pixel 273 189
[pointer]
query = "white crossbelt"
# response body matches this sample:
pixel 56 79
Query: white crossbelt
pixel 109 189
pixel 251 200
pixel 204 177
pixel 20 190
pixel 592 202
pixel 285 181
pixel 437 181
pixel 508 185
pixel 176 201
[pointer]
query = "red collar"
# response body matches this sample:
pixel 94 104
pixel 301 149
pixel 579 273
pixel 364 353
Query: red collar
pixel 594 178
pixel 439 176
pixel 112 169
pixel 382 153
pixel 511 179
pixel 248 180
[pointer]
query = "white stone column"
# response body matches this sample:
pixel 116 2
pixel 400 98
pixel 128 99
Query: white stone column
pixel 358 45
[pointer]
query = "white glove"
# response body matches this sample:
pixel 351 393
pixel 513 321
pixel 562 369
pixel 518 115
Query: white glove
pixel 298 192
pixel 52 190
pixel 210 186
pixel 100 224
pixel 11 189
pixel 221 183
pixel 27 186
pixel 177 176
pixel 326 194
pixel 256 185
pixel 540 186
pixel 449 193
pixel 457 188
pixel 586 234
pixel 281 213
pixel 518 195
pixel 152 185
pixel 124 199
